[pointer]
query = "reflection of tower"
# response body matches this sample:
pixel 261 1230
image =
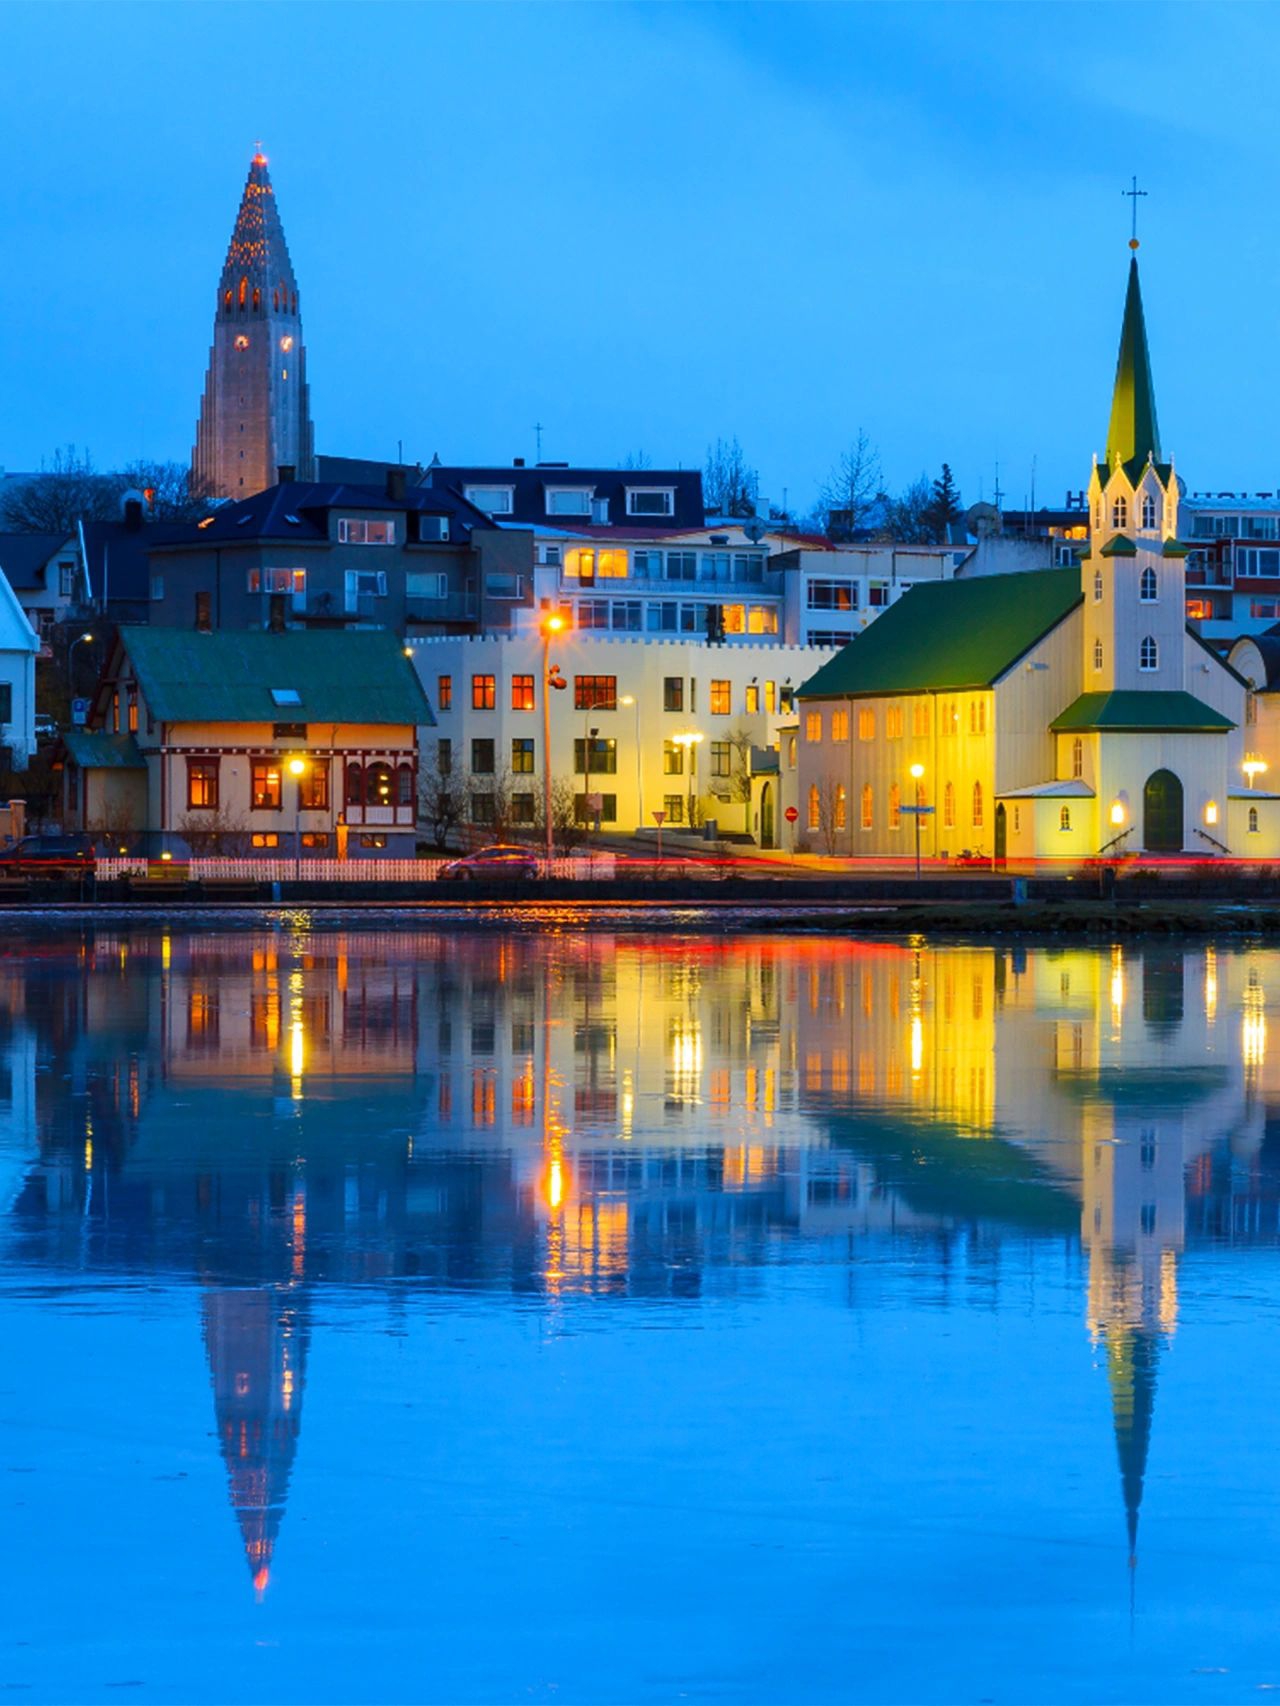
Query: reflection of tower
pixel 257 1346
pixel 1132 1356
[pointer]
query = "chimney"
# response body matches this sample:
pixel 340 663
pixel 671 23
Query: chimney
pixel 286 474
pixel 133 515
pixel 397 482
pixel 519 462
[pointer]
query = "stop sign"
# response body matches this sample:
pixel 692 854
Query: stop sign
pixel 791 814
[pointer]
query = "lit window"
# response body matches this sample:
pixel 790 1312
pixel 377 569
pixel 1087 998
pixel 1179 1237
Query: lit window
pixel 815 807
pixel 866 724
pixel 949 806
pixel 522 693
pixel 264 784
pixel 895 807
pixel 522 756
pixel 444 692
pixel 839 725
pixel 286 344
pixel 352 531
pixel 813 726
pixel 894 722
pixel 841 809
pixel 484 691
pixel 977 805
pixel 867 804
pixel 242 342
pixel 721 698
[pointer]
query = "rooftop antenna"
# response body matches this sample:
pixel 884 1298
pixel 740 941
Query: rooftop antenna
pixel 537 427
pixel 1133 193
pixel 1033 483
pixel 998 493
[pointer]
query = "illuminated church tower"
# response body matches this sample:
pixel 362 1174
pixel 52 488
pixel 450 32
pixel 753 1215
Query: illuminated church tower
pixel 255 416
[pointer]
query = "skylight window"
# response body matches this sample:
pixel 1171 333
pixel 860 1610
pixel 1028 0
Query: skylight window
pixel 285 696
pixel 244 521
pixel 293 521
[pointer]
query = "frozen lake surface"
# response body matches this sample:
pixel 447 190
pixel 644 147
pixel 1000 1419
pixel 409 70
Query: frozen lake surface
pixel 393 1315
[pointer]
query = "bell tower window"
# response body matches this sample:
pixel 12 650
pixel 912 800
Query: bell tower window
pixel 1097 654
pixel 1120 512
pixel 1147 590
pixel 1097 586
pixel 1149 654
pixel 1148 510
pixel 1077 758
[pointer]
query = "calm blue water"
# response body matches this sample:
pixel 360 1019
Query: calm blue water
pixel 421 1316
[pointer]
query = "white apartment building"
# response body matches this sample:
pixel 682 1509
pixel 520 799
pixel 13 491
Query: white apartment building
pixel 1233 562
pixel 643 725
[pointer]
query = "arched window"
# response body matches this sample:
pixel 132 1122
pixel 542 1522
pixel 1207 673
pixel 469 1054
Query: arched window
pixel 226 299
pixel 1077 757
pixel 404 785
pixel 257 299
pixel 1097 513
pixel 949 806
pixel 1253 820
pixel 355 784
pixel 244 291
pixel 895 807
pixel 1064 818
pixel 867 806
pixel 815 806
pixel 1147 586
pixel 1097 654
pixel 1120 512
pixel 1148 510
pixel 1149 654
pixel 1097 586
pixel 275 300
pixel 842 803
pixel 377 785
pixel 294 308
pixel 977 805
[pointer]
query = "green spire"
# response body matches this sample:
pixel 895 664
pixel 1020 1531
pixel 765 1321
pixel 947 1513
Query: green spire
pixel 1133 434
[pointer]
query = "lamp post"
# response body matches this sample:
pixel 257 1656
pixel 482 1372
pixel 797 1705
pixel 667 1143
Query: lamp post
pixel 1254 767
pixel 917 771
pixel 630 699
pixel 549 625
pixel 689 741
pixel 297 769
pixel 79 640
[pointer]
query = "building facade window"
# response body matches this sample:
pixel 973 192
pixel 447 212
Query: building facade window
pixel 949 806
pixel 1120 512
pixel 522 757
pixel 600 757
pixel 313 787
pixel 868 806
pixel 1097 586
pixel 1064 818
pixel 482 757
pixel 673 693
pixel 866 723
pixel 840 725
pixel 841 806
pixel 895 807
pixel 595 693
pixel 353 532
pixel 1147 589
pixel 813 727
pixel 1253 820
pixel 673 808
pixel 494 500
pixel 444 757
pixel 484 692
pixel 753 698
pixel 522 693
pixel 920 717
pixel 651 500
pixel 444 692
pixel 977 716
pixel 1097 654
pixel 814 818
pixel 977 805
pixel 264 784
pixel 722 758
pixel 672 759
pixel 523 809
pixel 202 784
pixel 1148 654
pixel 894 722
pixel 1148 510
pixel 1077 758
pixel 721 697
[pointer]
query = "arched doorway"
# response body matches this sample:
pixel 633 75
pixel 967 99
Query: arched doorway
pixel 1162 813
pixel 767 830
pixel 1002 835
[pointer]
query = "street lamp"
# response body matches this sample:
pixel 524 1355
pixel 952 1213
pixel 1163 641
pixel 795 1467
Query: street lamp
pixel 297 769
pixel 917 771
pixel 551 624
pixel 630 699
pixel 689 742
pixel 79 640
pixel 1254 767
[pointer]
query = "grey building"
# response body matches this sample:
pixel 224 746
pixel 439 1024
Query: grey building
pixel 306 555
pixel 255 417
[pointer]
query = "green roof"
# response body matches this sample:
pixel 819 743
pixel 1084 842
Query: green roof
pixel 1119 546
pixel 101 751
pixel 1133 435
pixel 950 635
pixel 330 676
pixel 1136 710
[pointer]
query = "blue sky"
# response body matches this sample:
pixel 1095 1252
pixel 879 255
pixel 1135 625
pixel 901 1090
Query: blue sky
pixel 647 226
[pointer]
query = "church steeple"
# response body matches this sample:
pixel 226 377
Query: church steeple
pixel 255 416
pixel 1133 435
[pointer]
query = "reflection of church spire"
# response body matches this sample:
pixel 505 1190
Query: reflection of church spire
pixel 1132 1358
pixel 257 1345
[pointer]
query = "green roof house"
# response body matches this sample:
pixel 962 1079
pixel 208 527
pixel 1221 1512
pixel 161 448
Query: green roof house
pixel 1051 715
pixel 297 744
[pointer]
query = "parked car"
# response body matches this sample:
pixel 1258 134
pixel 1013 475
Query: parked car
pixel 46 727
pixel 48 856
pixel 497 861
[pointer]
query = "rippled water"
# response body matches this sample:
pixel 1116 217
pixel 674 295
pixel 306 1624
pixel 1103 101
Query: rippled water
pixel 414 1315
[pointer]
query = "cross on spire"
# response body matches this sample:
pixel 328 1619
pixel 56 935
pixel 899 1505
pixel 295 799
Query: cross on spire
pixel 1133 193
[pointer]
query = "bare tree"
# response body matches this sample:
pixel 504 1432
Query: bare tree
pixel 568 828
pixel 850 497
pixel 55 499
pixel 637 459
pixel 833 805
pixel 909 518
pixel 168 490
pixel 442 797
pixel 741 743
pixel 221 833
pixel 729 486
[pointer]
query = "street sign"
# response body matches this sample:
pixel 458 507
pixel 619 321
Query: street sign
pixel 791 814
pixel 659 818
pixel 917 811
pixel 79 712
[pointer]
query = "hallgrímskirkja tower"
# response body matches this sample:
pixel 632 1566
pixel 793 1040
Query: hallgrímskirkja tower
pixel 255 417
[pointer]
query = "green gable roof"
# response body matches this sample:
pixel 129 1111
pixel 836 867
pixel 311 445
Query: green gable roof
pixel 339 676
pixel 950 635
pixel 1119 546
pixel 1132 434
pixel 1135 711
pixel 98 750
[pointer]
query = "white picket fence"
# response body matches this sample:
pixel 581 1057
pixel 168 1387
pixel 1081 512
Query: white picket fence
pixel 592 866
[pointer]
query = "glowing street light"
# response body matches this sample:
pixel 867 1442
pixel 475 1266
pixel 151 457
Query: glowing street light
pixel 1254 767
pixel 689 741
pixel 80 640
pixel 630 699
pixel 917 771
pixel 550 624
pixel 297 768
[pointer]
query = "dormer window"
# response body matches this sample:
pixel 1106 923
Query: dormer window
pixel 1148 510
pixel 657 501
pixel 1147 588
pixel 493 500
pixel 1120 512
pixel 352 531
pixel 569 500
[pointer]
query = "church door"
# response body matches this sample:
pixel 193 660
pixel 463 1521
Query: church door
pixel 1162 813
pixel 766 816
pixel 1002 834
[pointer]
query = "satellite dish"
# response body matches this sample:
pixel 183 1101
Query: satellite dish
pixel 754 529
pixel 982 520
